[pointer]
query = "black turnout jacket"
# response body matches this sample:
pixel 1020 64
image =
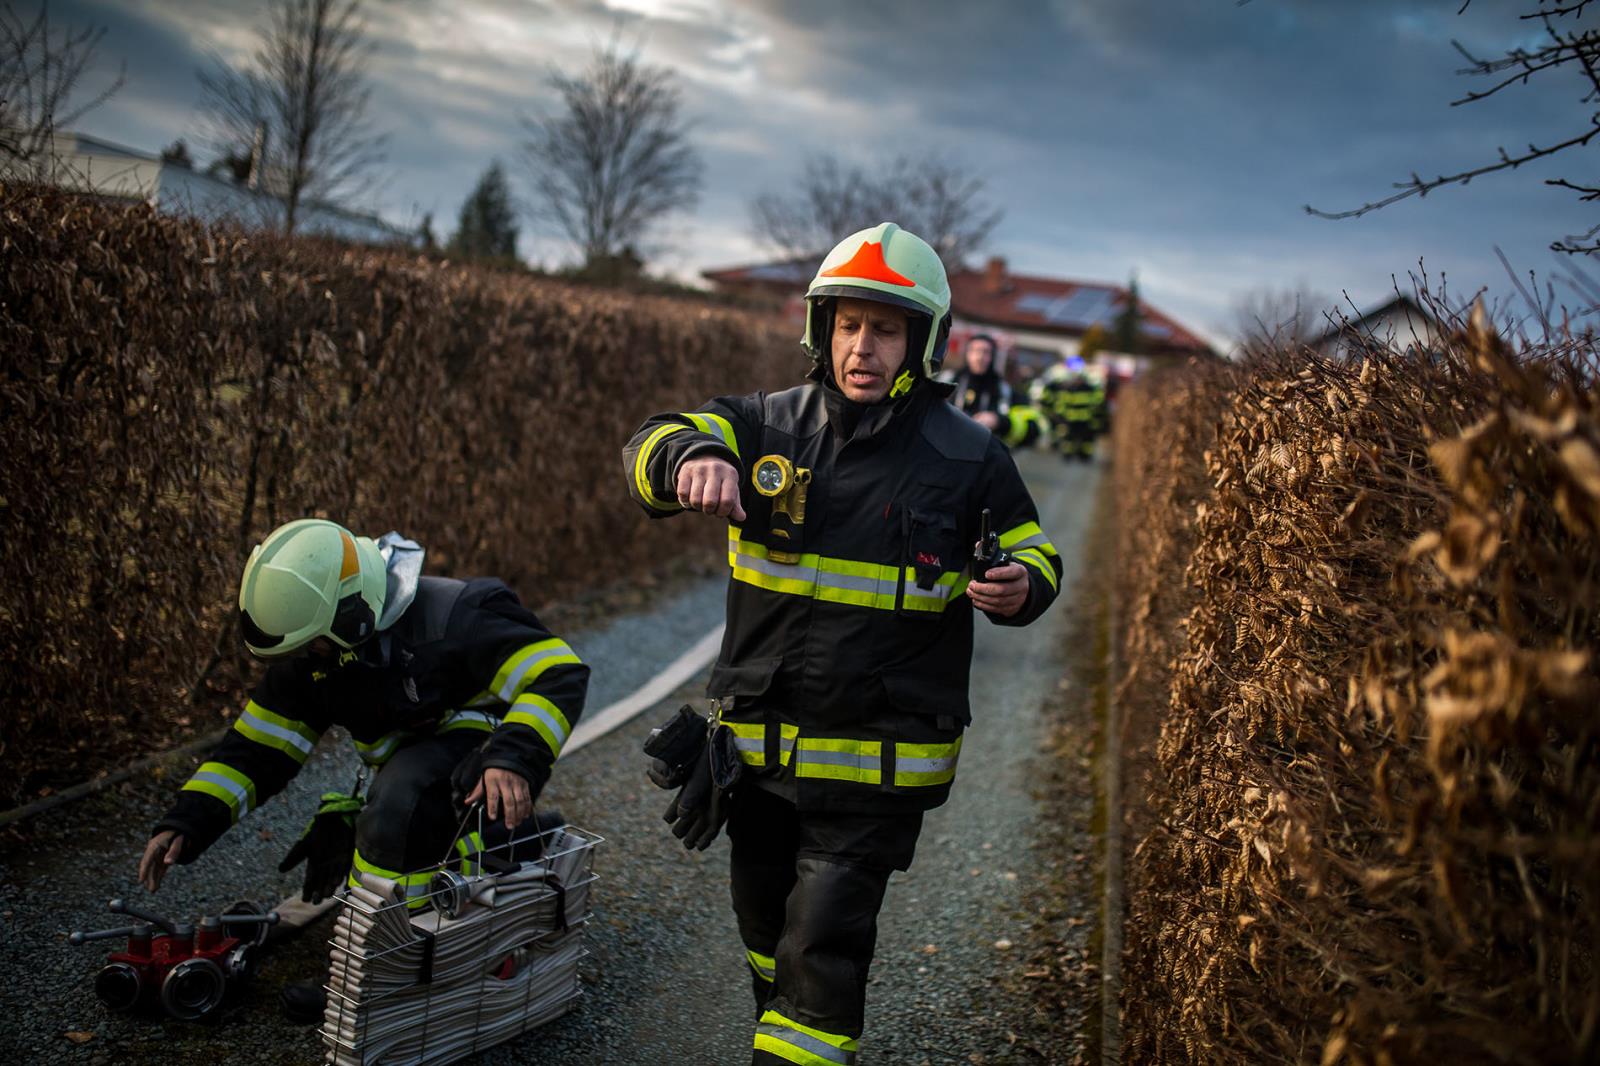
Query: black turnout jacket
pixel 844 666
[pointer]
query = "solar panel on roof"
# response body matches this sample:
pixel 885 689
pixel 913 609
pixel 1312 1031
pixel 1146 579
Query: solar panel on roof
pixel 1083 307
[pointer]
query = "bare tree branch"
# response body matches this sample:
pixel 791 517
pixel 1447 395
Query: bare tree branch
pixel 616 158
pixel 937 200
pixel 300 104
pixel 39 74
pixel 1569 47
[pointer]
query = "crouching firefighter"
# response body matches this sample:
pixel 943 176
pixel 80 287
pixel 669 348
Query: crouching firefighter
pixel 839 698
pixel 451 690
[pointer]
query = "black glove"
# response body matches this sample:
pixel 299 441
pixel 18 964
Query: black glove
pixel 700 809
pixel 674 747
pixel 327 846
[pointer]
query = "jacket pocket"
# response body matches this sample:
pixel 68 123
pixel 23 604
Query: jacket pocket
pixel 917 695
pixel 930 559
pixel 743 681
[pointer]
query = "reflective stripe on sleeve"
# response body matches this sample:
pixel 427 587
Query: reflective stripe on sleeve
pixel 1035 558
pixel 221 781
pixel 1027 535
pixel 543 717
pixel 467 847
pixel 801 1044
pixel 765 966
pixel 641 467
pixel 294 738
pixel 860 761
pixel 716 426
pixel 926 764
pixel 525 665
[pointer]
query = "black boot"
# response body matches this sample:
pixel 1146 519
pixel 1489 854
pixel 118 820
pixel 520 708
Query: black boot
pixel 303 1002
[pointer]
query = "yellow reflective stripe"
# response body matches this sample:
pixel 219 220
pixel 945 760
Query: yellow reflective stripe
pixel 542 716
pixel 524 666
pixel 787 735
pixel 839 760
pixel 641 467
pixel 222 782
pixel 413 886
pixel 926 764
pixel 847 581
pixel 468 720
pixel 1035 558
pixel 765 966
pixel 294 738
pixel 750 740
pixel 377 752
pixel 716 426
pixel 793 1042
pixel 932 599
pixel 1027 535
pixel 467 847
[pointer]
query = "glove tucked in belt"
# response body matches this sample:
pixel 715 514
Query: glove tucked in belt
pixel 700 809
pixel 327 846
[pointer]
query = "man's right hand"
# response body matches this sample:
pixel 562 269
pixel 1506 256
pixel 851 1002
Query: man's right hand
pixel 162 851
pixel 710 485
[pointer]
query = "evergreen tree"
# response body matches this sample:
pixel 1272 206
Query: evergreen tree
pixel 1128 336
pixel 488 225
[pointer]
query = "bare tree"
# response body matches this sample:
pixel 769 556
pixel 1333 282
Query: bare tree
pixel 301 102
pixel 615 159
pixel 1567 45
pixel 39 73
pixel 939 201
pixel 1270 319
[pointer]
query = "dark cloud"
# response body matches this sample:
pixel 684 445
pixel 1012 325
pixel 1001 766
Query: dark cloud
pixel 1177 139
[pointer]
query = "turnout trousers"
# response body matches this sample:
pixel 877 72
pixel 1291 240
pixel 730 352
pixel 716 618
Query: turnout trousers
pixel 807 888
pixel 409 821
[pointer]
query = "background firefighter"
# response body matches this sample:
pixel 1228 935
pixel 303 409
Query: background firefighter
pixel 853 504
pixel 452 690
pixel 980 389
pixel 1076 405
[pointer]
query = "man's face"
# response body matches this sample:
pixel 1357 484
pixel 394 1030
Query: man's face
pixel 980 356
pixel 869 344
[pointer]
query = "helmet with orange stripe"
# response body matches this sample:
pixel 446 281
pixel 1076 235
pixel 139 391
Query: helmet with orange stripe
pixel 889 265
pixel 310 580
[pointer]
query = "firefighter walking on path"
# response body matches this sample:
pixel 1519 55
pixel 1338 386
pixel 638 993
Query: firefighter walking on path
pixel 853 504
pixel 451 690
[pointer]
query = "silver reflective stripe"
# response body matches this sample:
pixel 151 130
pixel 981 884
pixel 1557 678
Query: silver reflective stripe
pixel 939 593
pixel 533 710
pixel 785 570
pixel 764 969
pixel 510 688
pixel 757 744
pixel 278 731
pixel 238 791
pixel 379 750
pixel 878 586
pixel 820 1049
pixel 1038 540
pixel 841 758
pixel 923 766
pixel 469 716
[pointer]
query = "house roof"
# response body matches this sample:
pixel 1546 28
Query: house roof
pixel 995 297
pixel 1362 325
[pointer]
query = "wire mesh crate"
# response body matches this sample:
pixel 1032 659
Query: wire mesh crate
pixel 490 950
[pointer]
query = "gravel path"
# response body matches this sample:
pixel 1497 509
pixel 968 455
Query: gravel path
pixel 666 981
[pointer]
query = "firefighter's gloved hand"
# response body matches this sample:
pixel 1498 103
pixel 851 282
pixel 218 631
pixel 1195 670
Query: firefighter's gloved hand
pixel 327 846
pixel 699 811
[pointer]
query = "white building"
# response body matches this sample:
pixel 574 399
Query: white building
pixel 1400 325
pixel 92 165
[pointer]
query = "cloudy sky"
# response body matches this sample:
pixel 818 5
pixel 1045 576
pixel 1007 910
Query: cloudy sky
pixel 1177 139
